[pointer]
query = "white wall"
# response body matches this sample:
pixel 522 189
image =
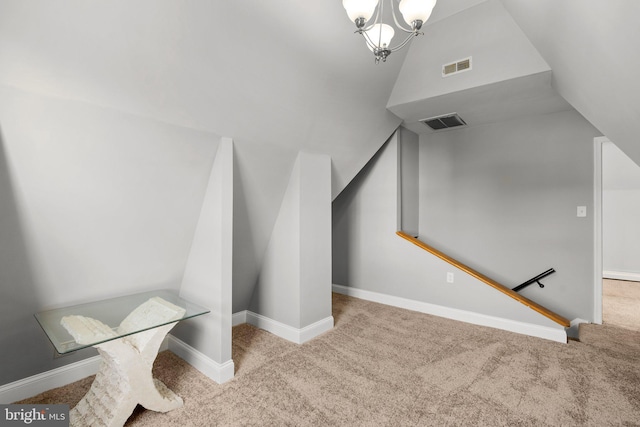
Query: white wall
pixel 502 199
pixel 620 214
pixel 369 256
pixel 98 203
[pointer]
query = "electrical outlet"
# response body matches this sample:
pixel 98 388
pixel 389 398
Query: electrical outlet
pixel 449 277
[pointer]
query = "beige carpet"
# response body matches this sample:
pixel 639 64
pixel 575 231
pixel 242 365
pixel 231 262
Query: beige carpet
pixel 382 366
pixel 621 304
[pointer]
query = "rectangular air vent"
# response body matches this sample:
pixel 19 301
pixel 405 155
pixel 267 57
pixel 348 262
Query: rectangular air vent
pixel 445 121
pixel 456 67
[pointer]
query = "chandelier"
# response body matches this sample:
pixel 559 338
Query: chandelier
pixel 378 35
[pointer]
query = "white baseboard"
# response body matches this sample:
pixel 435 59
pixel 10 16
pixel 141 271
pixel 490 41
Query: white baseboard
pixel 54 378
pixel 574 330
pixel 320 327
pixel 59 377
pixel 289 333
pixel 219 372
pixel 553 334
pixel 621 275
pixel 239 318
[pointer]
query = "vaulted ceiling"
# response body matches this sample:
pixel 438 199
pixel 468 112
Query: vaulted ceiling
pixel 593 49
pixel 279 71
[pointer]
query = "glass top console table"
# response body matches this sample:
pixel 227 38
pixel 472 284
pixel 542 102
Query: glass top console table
pixel 112 313
pixel 127 331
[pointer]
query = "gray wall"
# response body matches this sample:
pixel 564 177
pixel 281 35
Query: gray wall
pixel 502 199
pixel 191 65
pixel 95 203
pixel 499 49
pixel 294 287
pixel 620 214
pixel 118 140
pixel 408 167
pixel 368 255
pixel 208 273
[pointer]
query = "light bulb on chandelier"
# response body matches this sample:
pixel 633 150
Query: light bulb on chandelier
pixel 378 35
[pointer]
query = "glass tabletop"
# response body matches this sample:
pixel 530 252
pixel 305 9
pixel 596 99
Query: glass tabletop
pixel 114 316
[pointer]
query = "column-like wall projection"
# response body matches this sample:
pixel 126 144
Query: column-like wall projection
pixel 408 193
pixel 293 295
pixel 205 341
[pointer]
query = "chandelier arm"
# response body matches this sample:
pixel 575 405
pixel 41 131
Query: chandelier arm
pixel 373 46
pixel 395 19
pixel 381 10
pixel 369 41
pixel 404 43
pixel 378 17
pixel 362 30
pixel 381 52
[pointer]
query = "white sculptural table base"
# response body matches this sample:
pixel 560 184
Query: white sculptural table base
pixel 124 381
pixel 128 351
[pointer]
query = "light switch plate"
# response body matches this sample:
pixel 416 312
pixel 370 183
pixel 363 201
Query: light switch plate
pixel 582 211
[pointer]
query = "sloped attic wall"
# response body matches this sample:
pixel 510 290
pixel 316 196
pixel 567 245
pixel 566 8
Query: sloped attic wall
pixel 95 203
pixel 592 48
pixel 193 65
pixel 195 69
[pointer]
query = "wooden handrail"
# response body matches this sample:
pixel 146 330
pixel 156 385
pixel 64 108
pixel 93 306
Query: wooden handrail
pixel 534 306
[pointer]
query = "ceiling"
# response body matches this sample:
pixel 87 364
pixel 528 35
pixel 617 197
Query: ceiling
pixel 505 100
pixel 182 63
pixel 179 61
pixel 507 78
pixel 279 71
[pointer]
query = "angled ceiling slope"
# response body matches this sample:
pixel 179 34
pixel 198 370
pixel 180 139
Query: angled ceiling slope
pixel 508 77
pixel 592 48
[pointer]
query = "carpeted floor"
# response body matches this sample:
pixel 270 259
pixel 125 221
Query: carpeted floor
pixel 383 366
pixel 621 304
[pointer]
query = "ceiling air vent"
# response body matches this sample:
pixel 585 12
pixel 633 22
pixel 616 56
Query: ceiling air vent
pixel 456 67
pixel 446 121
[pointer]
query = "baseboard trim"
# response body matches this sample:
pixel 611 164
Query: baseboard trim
pixel 289 333
pixel 549 333
pixel 54 378
pixel 621 275
pixel 219 372
pixel 239 318
pixel 59 377
pixel 574 330
pixel 320 327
